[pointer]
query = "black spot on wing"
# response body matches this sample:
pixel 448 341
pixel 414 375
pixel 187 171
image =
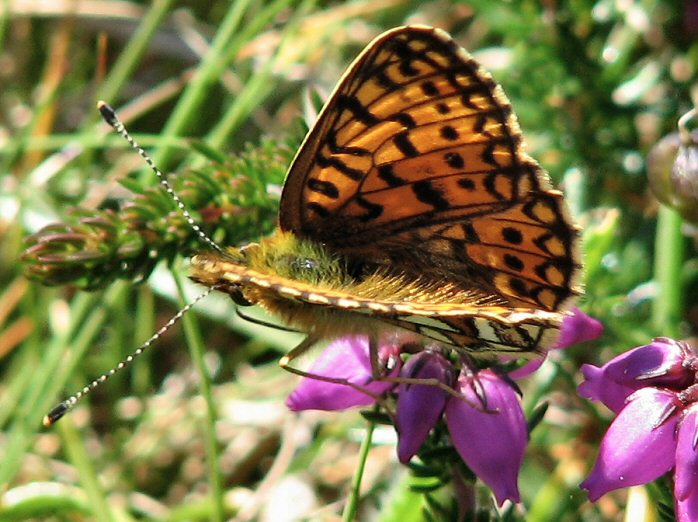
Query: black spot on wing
pixel 326 188
pixel 374 210
pixel 404 119
pixel 454 160
pixel 429 89
pixel 442 108
pixel 487 155
pixel 467 184
pixel 448 133
pixel 318 209
pixel 406 55
pixel 339 165
pixel 513 262
pixel 512 235
pixel 359 110
pixel 385 81
pixel 404 145
pixel 518 286
pixel 470 233
pixel 490 184
pixel 387 174
pixel 335 148
pixel 427 193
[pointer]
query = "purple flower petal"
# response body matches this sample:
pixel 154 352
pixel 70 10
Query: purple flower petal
pixel 687 509
pixel 598 387
pixel 527 369
pixel 578 328
pixel 686 475
pixel 346 358
pixel 639 446
pixel 660 363
pixel 419 406
pixel 491 443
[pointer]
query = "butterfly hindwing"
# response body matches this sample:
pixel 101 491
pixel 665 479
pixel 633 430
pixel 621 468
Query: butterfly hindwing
pixel 477 328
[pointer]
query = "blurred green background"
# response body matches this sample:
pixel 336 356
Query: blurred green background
pixel 221 93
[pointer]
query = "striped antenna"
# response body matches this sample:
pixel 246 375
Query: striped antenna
pixel 112 119
pixel 65 406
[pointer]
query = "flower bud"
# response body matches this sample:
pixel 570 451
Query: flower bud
pixel 672 171
pixel 419 406
pixel 664 362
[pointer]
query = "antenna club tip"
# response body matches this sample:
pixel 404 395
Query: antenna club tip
pixel 107 112
pixel 55 414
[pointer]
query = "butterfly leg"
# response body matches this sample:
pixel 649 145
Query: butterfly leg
pixel 373 346
pixel 469 368
pixel 303 347
pixel 446 387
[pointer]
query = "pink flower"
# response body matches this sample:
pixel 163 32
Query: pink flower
pixel 654 391
pixel 492 443
pixel 660 363
pixel 489 436
pixel 578 327
pixel 481 408
pixel 420 406
pixel 346 358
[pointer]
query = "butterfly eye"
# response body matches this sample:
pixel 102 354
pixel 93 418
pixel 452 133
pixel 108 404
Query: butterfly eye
pixel 301 267
pixel 305 264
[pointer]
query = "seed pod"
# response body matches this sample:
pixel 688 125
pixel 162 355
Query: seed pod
pixel 672 170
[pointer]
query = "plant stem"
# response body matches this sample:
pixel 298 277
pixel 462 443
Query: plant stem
pixel 668 260
pixel 192 333
pixel 353 501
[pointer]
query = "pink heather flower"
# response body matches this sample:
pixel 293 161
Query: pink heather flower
pixel 639 446
pixel 346 358
pixel 487 424
pixel 660 363
pixel 491 437
pixel 654 391
pixel 578 327
pixel 492 443
pixel 419 406
pixel 685 483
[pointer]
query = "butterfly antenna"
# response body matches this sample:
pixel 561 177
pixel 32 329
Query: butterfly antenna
pixel 64 407
pixel 109 115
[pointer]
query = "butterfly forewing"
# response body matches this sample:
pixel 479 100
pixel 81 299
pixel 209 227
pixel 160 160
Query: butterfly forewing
pixel 417 159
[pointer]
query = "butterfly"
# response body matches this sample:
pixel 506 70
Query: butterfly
pixel 411 205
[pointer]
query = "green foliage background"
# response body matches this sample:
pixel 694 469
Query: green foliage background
pixel 215 90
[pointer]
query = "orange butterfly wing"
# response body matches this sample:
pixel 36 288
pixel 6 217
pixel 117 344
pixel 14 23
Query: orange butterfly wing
pixel 416 160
